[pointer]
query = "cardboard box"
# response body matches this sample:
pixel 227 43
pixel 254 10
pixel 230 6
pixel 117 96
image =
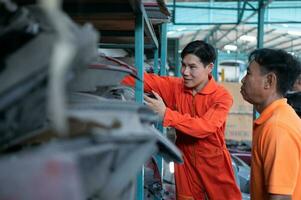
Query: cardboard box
pixel 239 104
pixel 240 120
pixel 239 127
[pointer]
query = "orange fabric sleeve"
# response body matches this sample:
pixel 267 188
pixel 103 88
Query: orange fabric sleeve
pixel 202 126
pixel 129 81
pixel 161 84
pixel 281 160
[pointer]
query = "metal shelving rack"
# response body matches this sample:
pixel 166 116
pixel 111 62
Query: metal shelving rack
pixel 125 24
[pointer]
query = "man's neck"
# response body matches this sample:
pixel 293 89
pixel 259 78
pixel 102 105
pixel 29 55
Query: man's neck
pixel 199 88
pixel 270 99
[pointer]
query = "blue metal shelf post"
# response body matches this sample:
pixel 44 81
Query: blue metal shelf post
pixel 163 56
pixel 163 48
pixel 139 54
pixel 215 68
pixel 177 58
pixel 156 56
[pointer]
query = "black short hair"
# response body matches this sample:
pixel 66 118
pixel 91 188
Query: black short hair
pixel 284 65
pixel 204 51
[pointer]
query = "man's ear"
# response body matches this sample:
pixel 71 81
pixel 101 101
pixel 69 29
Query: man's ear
pixel 270 80
pixel 210 67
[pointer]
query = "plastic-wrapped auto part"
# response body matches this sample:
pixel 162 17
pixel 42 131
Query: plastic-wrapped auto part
pixel 23 77
pixel 103 72
pixel 76 169
pixel 17 28
pixel 102 164
pixel 123 93
pixel 128 118
pixel 25 65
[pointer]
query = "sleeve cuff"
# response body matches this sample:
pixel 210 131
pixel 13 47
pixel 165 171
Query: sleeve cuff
pixel 167 119
pixel 285 190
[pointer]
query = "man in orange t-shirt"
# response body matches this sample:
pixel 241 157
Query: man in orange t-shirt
pixel 276 145
pixel 197 107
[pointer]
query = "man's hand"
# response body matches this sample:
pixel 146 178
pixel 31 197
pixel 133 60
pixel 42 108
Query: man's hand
pixel 157 105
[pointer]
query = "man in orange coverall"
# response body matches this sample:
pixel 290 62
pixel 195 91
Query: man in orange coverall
pixel 197 107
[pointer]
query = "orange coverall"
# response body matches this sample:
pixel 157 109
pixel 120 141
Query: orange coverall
pixel 199 121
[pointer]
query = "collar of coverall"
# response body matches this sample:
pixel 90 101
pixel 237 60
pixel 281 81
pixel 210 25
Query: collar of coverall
pixel 209 88
pixel 268 111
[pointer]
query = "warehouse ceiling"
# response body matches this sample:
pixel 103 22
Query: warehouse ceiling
pixel 233 25
pixel 229 25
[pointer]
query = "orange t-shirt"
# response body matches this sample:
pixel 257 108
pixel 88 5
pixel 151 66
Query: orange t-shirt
pixel 276 152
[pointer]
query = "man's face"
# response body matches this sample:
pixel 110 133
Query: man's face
pixel 252 88
pixel 297 84
pixel 194 72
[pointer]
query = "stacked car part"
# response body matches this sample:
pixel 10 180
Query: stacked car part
pixel 79 143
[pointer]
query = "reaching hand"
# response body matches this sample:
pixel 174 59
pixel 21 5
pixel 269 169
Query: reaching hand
pixel 156 104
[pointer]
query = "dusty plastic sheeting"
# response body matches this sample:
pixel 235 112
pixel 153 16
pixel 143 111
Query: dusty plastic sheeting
pixel 76 169
pixel 127 118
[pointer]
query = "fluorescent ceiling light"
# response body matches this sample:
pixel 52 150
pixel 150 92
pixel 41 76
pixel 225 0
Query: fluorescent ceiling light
pixel 297 33
pixel 181 29
pixel 230 47
pixel 171 32
pixel 248 38
pixel 174 34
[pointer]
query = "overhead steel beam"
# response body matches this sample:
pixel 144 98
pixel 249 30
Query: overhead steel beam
pixel 292 45
pixel 174 11
pixel 243 33
pixel 235 23
pixel 241 11
pixel 244 21
pixel 285 7
pixel 297 50
pixel 260 26
pixel 296 45
pixel 239 17
pixel 280 43
pixel 273 39
pixel 213 30
pixel 251 5
pixel 270 31
pixel 205 7
pixel 265 41
pixel 196 34
pixel 227 37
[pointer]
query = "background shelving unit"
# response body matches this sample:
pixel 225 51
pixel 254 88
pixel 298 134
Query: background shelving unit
pixel 126 24
pixel 131 24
